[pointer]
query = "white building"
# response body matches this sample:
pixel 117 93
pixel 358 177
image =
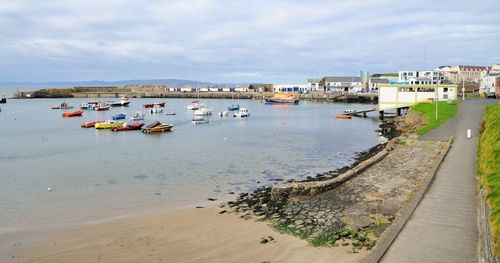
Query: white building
pixel 421 77
pixel 488 82
pixel 374 83
pixel 343 84
pixel 314 85
pixel 299 88
pixel 393 96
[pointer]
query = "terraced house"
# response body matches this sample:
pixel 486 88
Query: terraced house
pixel 463 73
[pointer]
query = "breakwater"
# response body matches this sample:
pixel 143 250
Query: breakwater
pixel 131 93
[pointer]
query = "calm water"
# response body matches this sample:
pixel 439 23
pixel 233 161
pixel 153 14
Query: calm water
pixel 98 174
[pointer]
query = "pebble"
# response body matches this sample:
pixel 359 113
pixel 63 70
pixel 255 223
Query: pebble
pixel 212 199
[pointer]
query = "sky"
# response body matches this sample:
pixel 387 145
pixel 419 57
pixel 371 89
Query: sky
pixel 234 41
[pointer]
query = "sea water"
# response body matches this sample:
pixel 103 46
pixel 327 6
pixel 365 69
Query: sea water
pixel 98 174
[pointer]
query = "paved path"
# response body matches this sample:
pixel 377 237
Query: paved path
pixel 444 228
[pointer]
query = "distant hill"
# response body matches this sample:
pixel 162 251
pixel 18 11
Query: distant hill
pixel 8 88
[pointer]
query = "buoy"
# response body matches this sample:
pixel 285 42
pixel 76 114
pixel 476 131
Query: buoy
pixel 225 138
pixel 469 134
pixel 49 189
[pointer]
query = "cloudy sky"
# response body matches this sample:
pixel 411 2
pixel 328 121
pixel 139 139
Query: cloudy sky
pixel 240 41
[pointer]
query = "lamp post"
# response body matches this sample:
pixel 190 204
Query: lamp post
pixel 463 87
pixel 437 98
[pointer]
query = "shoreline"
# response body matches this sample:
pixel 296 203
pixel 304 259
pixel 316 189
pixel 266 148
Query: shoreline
pixel 205 235
pixel 213 233
pixel 36 236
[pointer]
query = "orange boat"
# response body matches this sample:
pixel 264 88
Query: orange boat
pixel 90 124
pixel 72 114
pixel 343 116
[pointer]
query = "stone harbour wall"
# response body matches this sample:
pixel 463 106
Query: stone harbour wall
pixel 285 191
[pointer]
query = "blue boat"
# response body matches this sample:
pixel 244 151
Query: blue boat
pixel 233 107
pixel 119 116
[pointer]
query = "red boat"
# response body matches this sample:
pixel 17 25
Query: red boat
pixel 90 124
pixel 149 106
pixel 73 114
pixel 101 108
pixel 129 127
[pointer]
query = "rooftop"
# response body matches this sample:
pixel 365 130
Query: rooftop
pixel 343 79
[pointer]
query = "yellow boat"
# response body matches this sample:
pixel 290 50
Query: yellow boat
pixel 109 124
pixel 343 116
pixel 283 98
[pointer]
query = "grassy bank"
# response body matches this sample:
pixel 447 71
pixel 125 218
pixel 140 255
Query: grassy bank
pixel 445 111
pixel 488 167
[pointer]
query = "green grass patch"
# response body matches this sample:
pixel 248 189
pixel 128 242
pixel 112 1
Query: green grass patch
pixel 328 237
pixel 445 112
pixel 488 168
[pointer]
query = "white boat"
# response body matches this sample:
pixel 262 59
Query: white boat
pixel 242 113
pixel 224 113
pixel 124 102
pixel 194 105
pixel 156 109
pixel 203 111
pixel 199 119
pixel 137 116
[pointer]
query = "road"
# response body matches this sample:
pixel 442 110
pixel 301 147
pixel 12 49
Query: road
pixel 443 228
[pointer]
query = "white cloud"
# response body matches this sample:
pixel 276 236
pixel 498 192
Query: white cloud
pixel 274 41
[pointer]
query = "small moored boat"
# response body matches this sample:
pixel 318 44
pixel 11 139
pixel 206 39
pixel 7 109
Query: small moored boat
pixel 90 124
pixel 120 116
pixel 156 109
pixel 195 104
pixel 343 116
pixel 283 98
pixel 124 102
pixel 199 120
pixel 129 127
pixel 149 106
pixel 203 111
pixel 109 124
pixel 242 113
pixel 157 127
pixel 101 106
pixel 137 116
pixel 73 114
pixel 63 106
pixel 233 107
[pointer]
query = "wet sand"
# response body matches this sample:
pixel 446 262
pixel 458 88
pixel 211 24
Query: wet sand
pixel 186 235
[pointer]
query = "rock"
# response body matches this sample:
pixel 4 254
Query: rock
pixel 231 193
pixel 222 212
pixel 199 207
pixel 361 222
pixel 299 222
pixel 211 199
pixel 390 207
pixel 263 240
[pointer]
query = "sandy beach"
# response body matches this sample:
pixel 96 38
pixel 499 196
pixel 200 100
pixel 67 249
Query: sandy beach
pixel 186 235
